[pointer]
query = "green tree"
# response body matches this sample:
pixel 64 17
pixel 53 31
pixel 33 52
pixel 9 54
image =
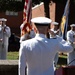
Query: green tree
pixel 15 5
pixel 12 5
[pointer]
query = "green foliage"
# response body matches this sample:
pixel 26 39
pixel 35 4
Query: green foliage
pixel 13 55
pixel 11 5
pixel 14 5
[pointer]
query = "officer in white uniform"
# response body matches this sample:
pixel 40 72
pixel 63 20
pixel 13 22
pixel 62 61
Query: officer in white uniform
pixel 54 29
pixel 5 33
pixel 56 32
pixel 38 54
pixel 71 39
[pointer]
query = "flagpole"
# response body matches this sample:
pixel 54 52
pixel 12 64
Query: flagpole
pixel 27 15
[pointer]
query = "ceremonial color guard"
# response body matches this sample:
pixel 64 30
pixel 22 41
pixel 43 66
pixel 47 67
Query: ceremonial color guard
pixel 55 31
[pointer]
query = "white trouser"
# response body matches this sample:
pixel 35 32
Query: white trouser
pixel 71 58
pixel 3 52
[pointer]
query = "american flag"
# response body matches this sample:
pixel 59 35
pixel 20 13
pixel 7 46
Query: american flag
pixel 27 15
pixel 64 22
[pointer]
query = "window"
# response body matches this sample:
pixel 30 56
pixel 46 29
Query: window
pixel 18 0
pixel 11 13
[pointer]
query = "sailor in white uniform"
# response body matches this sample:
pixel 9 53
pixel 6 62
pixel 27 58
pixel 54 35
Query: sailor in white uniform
pixel 38 54
pixel 55 30
pixel 5 33
pixel 71 39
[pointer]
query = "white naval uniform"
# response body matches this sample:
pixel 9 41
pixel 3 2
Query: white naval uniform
pixel 55 31
pixel 38 55
pixel 71 56
pixel 57 54
pixel 4 35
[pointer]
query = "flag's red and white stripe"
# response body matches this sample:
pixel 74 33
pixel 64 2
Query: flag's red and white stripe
pixel 27 15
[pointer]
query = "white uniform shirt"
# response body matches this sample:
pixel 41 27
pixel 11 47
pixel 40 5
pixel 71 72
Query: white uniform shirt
pixel 52 36
pixel 57 54
pixel 5 34
pixel 38 54
pixel 71 38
